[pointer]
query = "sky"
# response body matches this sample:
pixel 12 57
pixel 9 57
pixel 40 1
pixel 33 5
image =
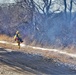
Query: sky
pixel 39 2
pixel 7 1
pixel 12 1
pixel 57 5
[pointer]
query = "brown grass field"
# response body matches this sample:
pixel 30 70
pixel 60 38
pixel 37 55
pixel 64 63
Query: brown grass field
pixel 47 54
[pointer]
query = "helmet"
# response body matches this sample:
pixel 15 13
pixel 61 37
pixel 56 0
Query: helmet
pixel 17 32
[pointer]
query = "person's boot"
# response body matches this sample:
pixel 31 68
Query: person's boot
pixel 19 45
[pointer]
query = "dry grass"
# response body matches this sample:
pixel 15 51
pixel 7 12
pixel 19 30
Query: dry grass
pixel 70 49
pixel 47 54
pixel 6 38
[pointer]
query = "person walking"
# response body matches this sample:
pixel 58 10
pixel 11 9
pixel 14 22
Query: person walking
pixel 18 38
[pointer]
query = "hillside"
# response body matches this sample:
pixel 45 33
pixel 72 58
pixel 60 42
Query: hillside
pixel 53 29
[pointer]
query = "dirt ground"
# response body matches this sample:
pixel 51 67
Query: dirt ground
pixel 7 70
pixel 23 63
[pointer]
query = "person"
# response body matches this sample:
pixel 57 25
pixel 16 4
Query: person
pixel 18 38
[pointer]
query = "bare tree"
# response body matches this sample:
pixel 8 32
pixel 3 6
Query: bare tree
pixel 71 1
pixel 47 4
pixel 65 7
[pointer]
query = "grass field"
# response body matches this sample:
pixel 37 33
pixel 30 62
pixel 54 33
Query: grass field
pixel 47 54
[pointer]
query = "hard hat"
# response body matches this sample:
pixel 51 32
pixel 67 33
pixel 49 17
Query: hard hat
pixel 17 32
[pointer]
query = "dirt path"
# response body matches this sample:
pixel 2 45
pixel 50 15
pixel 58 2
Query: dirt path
pixel 20 63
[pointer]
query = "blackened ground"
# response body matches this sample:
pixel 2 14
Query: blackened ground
pixel 32 64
